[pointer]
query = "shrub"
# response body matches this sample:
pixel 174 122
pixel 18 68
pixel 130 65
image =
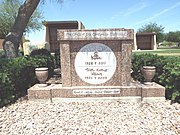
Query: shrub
pixel 167 71
pixel 47 54
pixel 170 77
pixel 40 52
pixel 140 60
pixel 17 75
pixel 2 55
pixel 57 59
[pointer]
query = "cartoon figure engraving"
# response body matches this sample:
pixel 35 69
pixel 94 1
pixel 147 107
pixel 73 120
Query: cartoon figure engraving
pixel 96 56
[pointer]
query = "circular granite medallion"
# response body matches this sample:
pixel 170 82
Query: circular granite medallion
pixel 95 63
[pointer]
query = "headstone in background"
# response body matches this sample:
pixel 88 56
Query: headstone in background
pixel 10 49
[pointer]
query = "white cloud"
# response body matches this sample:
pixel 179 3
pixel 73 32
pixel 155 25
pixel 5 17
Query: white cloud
pixel 159 14
pixel 131 10
pixel 135 8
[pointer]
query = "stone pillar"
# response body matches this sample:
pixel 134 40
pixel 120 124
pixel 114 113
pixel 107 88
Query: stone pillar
pixel 65 64
pixel 126 62
pixel 135 42
pixel 47 35
pixel 154 43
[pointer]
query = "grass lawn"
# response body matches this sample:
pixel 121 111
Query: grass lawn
pixel 164 52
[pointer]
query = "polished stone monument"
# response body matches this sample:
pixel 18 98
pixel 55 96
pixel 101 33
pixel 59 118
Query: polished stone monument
pixel 96 57
pixel 97 63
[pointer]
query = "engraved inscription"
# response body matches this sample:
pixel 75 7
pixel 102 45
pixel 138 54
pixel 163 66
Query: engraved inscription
pixel 96 91
pixel 108 34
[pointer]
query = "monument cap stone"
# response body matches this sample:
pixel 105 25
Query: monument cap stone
pixel 96 34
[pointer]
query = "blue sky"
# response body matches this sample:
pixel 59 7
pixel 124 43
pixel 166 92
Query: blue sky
pixel 112 14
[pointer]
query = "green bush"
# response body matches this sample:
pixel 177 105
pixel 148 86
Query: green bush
pixel 2 55
pixel 40 52
pixel 57 59
pixel 170 77
pixel 140 60
pixel 47 54
pixel 17 75
pixel 167 71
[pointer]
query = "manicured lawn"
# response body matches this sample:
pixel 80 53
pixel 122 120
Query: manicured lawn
pixel 164 52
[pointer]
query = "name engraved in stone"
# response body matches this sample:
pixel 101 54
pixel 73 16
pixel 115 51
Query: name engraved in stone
pixel 96 91
pixel 108 34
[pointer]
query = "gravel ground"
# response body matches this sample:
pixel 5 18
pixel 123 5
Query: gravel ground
pixel 90 118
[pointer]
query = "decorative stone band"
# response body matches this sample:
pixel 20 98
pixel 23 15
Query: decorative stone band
pixel 98 34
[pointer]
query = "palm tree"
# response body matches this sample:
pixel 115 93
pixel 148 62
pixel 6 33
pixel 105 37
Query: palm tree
pixel 12 40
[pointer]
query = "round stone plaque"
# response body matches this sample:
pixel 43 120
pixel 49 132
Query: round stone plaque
pixel 95 63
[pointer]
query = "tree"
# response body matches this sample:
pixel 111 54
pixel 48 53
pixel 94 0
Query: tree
pixel 7 16
pixel 173 37
pixel 13 38
pixel 153 27
pixel 8 13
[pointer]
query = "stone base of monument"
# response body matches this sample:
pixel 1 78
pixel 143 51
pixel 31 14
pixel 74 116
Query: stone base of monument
pixel 136 91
